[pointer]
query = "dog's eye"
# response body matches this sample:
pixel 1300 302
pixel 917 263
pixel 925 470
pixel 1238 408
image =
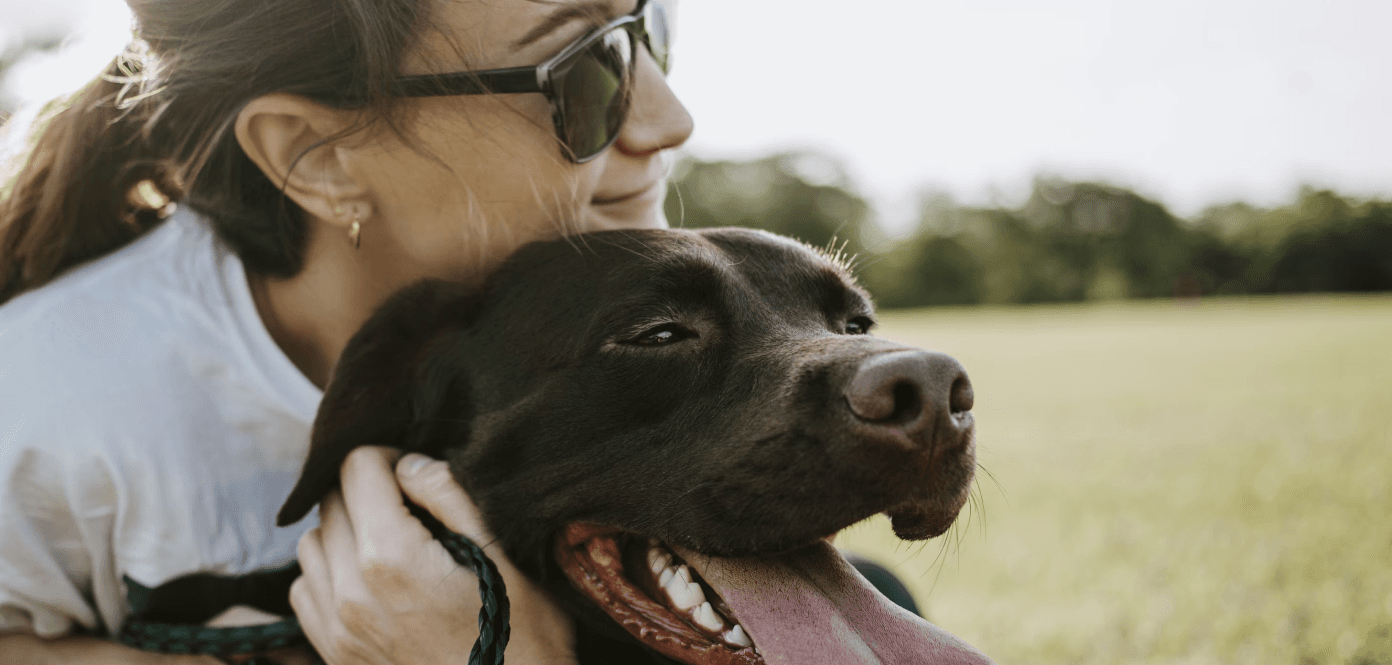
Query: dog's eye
pixel 859 325
pixel 663 334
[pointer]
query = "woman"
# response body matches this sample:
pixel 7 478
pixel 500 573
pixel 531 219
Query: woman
pixel 158 375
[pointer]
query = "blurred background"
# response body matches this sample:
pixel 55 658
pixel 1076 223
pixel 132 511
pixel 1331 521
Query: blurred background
pixel 1158 233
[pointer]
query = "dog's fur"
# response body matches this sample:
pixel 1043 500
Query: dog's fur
pixel 557 398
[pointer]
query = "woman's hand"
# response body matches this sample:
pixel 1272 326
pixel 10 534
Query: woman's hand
pixel 378 590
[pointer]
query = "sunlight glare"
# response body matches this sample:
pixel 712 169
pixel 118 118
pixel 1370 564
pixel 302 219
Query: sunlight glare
pixel 102 30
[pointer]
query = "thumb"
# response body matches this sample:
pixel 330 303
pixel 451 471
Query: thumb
pixel 429 483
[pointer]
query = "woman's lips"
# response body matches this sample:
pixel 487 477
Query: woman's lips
pixel 646 193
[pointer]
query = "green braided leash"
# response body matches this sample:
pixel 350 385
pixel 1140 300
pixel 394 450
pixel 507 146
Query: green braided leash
pixel 176 638
pixel 493 625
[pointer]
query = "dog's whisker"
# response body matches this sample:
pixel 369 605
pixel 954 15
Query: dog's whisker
pixel 1004 494
pixel 670 512
pixel 980 501
pixel 869 261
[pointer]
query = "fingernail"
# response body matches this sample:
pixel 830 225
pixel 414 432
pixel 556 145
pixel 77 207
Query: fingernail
pixel 412 463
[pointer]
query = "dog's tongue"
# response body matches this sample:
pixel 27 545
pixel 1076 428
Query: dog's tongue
pixel 810 607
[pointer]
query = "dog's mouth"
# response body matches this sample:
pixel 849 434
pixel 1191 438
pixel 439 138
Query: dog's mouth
pixel 805 607
pixel 655 595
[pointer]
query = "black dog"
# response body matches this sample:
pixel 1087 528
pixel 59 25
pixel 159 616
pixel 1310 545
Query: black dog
pixel 625 407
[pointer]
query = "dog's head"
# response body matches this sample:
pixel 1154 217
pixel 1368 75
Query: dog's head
pixel 619 402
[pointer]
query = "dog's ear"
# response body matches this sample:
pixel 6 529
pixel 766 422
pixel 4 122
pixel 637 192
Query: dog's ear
pixel 395 376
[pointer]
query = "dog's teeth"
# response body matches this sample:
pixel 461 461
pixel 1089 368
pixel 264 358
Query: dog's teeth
pixel 737 637
pixel 657 560
pixel 688 600
pixel 670 581
pixel 705 617
pixel 693 591
pixel 684 595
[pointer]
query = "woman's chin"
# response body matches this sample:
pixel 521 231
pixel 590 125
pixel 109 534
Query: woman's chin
pixel 639 212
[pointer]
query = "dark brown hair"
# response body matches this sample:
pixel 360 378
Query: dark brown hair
pixel 162 113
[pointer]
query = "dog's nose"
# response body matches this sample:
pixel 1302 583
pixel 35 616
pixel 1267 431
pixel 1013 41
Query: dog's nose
pixel 910 389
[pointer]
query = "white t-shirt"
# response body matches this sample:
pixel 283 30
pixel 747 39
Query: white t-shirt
pixel 149 427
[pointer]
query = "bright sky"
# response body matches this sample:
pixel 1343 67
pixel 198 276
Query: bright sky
pixel 1190 101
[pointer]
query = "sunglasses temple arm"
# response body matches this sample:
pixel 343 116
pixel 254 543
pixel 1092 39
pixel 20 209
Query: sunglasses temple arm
pixel 497 81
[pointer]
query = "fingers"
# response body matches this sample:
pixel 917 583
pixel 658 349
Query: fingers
pixel 542 632
pixel 360 603
pixel 314 578
pixel 373 580
pixel 371 494
pixel 430 484
pixel 311 592
pixel 382 526
pixel 343 552
pixel 367 481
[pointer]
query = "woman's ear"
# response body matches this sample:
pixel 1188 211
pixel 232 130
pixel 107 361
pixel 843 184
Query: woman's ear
pixel 296 143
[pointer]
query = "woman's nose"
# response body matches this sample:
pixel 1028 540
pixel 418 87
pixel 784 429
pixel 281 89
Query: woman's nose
pixel 656 120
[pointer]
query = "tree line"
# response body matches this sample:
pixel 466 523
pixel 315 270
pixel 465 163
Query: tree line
pixel 1069 242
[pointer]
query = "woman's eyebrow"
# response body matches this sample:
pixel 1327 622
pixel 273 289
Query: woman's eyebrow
pixel 589 9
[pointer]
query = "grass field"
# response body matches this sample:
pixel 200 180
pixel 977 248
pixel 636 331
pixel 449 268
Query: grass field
pixel 1167 483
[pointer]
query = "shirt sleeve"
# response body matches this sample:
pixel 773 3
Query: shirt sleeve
pixel 56 554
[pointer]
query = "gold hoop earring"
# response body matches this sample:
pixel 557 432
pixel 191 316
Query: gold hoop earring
pixel 355 233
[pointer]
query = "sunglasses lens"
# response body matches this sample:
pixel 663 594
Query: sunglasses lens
pixel 594 94
pixel 658 21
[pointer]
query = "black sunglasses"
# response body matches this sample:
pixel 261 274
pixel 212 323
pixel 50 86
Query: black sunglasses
pixel 589 83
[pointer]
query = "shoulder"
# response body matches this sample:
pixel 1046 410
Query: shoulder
pixel 116 331
pixel 155 274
